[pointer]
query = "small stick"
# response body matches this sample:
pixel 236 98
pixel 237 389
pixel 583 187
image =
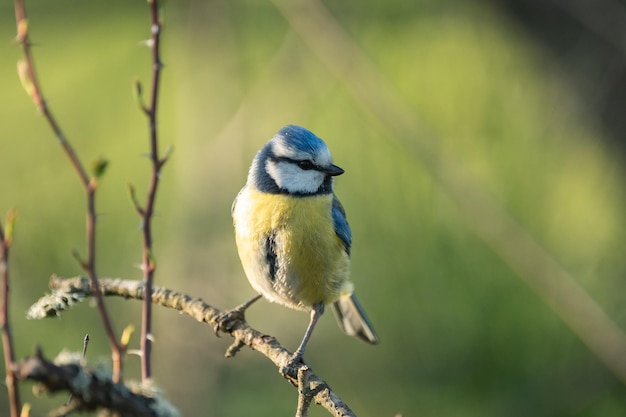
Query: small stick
pixel 148 265
pixel 85 344
pixel 28 76
pixel 7 340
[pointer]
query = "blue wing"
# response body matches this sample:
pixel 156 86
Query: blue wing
pixel 342 229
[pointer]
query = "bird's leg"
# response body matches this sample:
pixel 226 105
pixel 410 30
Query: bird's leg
pixel 222 322
pixel 316 313
pixel 244 306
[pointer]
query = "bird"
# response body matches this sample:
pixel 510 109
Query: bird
pixel 292 235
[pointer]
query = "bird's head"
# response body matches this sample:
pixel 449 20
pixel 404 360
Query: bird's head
pixel 294 161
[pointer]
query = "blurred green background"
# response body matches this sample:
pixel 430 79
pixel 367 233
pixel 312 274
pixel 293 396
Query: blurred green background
pixel 461 333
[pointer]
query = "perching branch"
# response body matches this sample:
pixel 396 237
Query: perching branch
pixel 91 389
pixel 7 340
pixel 146 212
pixel 26 70
pixel 79 288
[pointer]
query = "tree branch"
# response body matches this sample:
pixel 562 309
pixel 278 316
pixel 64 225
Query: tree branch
pixel 7 339
pixel 79 288
pixel 91 389
pixel 146 212
pixel 30 82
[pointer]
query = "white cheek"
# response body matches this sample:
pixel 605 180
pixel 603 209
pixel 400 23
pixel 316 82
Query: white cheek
pixel 293 179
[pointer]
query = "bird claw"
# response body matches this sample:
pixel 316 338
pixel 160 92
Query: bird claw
pixel 224 322
pixel 293 365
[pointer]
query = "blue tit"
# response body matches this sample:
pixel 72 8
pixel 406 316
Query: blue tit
pixel 292 234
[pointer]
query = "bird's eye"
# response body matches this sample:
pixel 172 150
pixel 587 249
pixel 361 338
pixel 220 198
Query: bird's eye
pixel 306 165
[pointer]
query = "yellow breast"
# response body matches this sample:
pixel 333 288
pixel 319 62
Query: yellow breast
pixel 312 265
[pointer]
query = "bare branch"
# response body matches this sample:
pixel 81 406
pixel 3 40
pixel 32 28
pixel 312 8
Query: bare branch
pixel 91 389
pixel 146 213
pixel 80 288
pixel 7 339
pixel 26 70
pixel 69 403
pixel 28 76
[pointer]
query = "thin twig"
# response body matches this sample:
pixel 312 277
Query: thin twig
pixel 7 340
pixel 29 78
pixel 26 68
pixel 79 287
pixel 146 213
pixel 85 344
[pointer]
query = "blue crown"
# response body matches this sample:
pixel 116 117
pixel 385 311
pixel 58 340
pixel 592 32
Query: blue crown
pixel 299 138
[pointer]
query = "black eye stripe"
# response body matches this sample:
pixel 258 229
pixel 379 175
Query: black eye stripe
pixel 305 165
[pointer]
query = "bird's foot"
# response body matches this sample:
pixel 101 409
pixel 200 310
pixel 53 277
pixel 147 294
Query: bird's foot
pixel 225 321
pixel 292 366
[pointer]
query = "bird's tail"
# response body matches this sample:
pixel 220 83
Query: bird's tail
pixel 352 319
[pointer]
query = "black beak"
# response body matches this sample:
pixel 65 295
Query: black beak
pixel 333 170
